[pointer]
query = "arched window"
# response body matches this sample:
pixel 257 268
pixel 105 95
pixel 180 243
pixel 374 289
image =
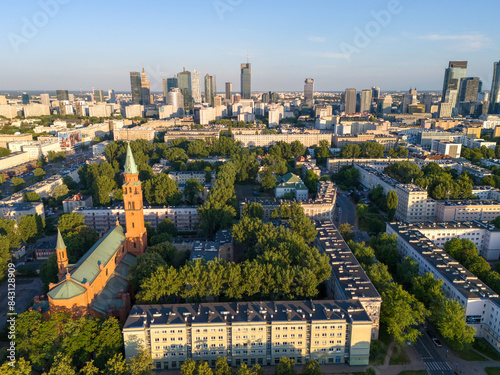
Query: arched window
pixel 129 205
pixel 133 224
pixel 136 191
pixel 133 205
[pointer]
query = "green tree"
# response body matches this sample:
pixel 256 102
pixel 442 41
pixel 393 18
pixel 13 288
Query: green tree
pixel 311 180
pixel 301 224
pixel 146 265
pixel 214 216
pixel 192 190
pixel 449 318
pixel 68 222
pixel 89 369
pixel 268 181
pixel 221 367
pixel 372 150
pixel 4 256
pixel 253 210
pixel 18 183
pixel 285 367
pixel 29 228
pixel 60 191
pixel 188 367
pixel 364 254
pixel 21 367
pixel 350 151
pixel 402 313
pixel 322 152
pixel 31 197
pixel 427 290
pixel 399 152
pixel 407 270
pixel 162 190
pixel 346 232
pixel 4 152
pixel 39 173
pixel 392 204
pixel 142 364
pixel 102 188
pixel 62 366
pixel 311 368
pixel 116 365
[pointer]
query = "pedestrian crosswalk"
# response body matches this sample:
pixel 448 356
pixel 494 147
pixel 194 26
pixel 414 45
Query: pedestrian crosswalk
pixel 437 366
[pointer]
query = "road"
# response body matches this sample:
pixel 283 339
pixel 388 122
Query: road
pixel 346 213
pixel 435 359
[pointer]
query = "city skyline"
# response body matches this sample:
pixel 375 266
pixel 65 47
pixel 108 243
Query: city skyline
pixel 397 53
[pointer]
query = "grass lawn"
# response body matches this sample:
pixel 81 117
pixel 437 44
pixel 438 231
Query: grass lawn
pixel 482 346
pixel 492 370
pixel 469 355
pixel 399 357
pixel 413 372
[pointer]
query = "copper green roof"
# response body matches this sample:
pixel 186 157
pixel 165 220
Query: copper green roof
pixel 130 166
pixel 60 242
pixel 87 268
pixel 290 178
pixel 67 289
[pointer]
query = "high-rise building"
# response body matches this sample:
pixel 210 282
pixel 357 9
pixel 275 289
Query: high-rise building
pixel 135 87
pixel 145 89
pixel 209 89
pixel 184 84
pixel 495 89
pixel 365 102
pixel 386 105
pixel 376 92
pixel 25 98
pixel 427 101
pixel 167 85
pixel 453 74
pixel 309 91
pixel 45 99
pixel 196 86
pixel 112 96
pixel 229 90
pixel 408 98
pixel 350 101
pixel 176 99
pixel 246 81
pixel 99 96
pixel 469 88
pixel 62 95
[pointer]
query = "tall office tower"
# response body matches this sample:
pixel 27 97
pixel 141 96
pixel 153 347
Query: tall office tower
pixel 495 89
pixel 309 92
pixel 112 96
pixel 229 90
pixel 453 74
pixel 483 96
pixel 25 98
pixel 167 85
pixel 376 92
pixel 427 101
pixel 386 105
pixel 145 89
pixel 45 99
pixel 217 101
pixel 135 87
pixel 365 103
pixel 408 98
pixel 469 88
pixel 184 84
pixel 99 96
pixel 196 86
pixel 350 101
pixel 209 89
pixel 176 99
pixel 62 95
pixel 246 81
pixel 451 97
pixel 266 98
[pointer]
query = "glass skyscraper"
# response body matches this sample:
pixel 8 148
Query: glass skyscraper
pixel 453 74
pixel 495 89
pixel 196 86
pixel 229 90
pixel 210 89
pixel 62 95
pixel 350 101
pixel 135 85
pixel 184 84
pixel 309 91
pixel 246 81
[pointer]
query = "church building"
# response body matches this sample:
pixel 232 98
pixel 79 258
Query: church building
pixel 97 284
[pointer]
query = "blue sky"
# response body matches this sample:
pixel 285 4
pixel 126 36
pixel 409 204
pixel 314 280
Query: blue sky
pixel 81 44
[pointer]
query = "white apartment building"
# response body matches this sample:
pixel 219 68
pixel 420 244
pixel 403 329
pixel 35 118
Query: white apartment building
pixel 182 177
pixel 15 211
pixel 35 149
pixel 467 210
pixel 13 160
pixel 481 303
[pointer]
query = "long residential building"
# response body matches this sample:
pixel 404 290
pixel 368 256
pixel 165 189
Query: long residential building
pixel 251 333
pixel 266 140
pixel 13 160
pixel 101 220
pixel 15 211
pixel 6 138
pixel 191 135
pixel 134 134
pixel 348 280
pixel 481 303
pixel 43 188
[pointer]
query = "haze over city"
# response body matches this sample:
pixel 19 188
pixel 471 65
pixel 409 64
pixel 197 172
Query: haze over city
pixel 77 45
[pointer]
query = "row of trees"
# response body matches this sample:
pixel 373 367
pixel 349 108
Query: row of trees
pixel 476 154
pixel 366 150
pixel 387 203
pixel 441 183
pixel 63 345
pixel 407 298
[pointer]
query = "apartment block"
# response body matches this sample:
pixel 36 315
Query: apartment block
pixel 467 210
pixel 6 138
pixel 77 200
pixel 13 160
pixel 101 220
pixel 348 280
pixel 481 303
pixel 191 135
pixel 334 165
pixel 133 134
pixel 183 177
pixel 250 332
pixel 43 188
pixel 35 149
pixel 15 211
pixel 320 208
pixel 266 140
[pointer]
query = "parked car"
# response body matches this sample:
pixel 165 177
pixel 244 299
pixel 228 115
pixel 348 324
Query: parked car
pixel 437 342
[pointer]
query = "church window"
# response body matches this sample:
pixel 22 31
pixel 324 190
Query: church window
pixel 129 205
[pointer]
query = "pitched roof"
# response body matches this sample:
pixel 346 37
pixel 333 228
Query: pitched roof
pixel 290 178
pixel 67 289
pixel 130 166
pixel 60 245
pixel 87 268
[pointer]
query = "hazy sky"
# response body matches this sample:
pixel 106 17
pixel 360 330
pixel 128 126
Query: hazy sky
pixel 79 44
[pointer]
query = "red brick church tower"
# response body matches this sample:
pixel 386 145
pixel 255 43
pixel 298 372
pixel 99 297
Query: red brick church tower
pixel 136 237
